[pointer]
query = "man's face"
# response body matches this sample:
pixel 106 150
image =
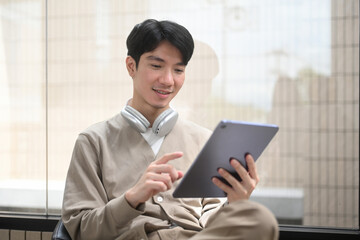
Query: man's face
pixel 157 79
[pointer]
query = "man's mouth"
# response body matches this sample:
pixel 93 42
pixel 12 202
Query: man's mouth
pixel 164 92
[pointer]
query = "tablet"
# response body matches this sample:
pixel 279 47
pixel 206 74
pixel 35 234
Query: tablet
pixel 230 139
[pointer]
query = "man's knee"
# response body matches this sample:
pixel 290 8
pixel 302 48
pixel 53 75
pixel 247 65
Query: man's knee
pixel 257 220
pixel 267 222
pixel 241 220
pixel 260 219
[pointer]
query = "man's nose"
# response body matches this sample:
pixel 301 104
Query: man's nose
pixel 167 77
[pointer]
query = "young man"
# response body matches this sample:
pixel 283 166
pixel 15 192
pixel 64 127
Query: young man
pixel 123 170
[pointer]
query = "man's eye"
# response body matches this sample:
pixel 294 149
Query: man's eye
pixel 155 66
pixel 179 70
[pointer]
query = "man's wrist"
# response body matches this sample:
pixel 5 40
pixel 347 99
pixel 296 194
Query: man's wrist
pixel 128 198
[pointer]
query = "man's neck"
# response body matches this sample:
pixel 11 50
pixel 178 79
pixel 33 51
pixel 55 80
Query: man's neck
pixel 150 113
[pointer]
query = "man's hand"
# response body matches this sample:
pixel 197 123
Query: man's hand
pixel 158 177
pixel 239 190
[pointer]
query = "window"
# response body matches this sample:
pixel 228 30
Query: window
pixel 290 63
pixel 22 106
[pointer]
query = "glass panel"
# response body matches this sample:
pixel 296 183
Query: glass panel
pixel 87 76
pixel 291 63
pixel 22 107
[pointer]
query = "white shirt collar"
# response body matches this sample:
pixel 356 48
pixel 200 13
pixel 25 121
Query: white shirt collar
pixel 153 140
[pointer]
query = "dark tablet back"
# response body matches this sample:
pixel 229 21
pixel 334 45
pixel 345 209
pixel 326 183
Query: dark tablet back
pixel 230 139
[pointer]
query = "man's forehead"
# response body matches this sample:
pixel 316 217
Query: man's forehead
pixel 160 52
pixel 154 57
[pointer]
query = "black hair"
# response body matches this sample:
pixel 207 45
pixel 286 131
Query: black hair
pixel 146 36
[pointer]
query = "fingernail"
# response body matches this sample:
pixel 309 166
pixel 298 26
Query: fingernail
pixel 234 161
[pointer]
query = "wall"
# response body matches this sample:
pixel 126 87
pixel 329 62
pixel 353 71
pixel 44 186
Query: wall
pixel 23 235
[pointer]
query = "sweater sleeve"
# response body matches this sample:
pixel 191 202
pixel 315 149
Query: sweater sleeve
pixel 87 212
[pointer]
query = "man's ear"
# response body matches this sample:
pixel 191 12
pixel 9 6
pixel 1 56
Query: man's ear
pixel 130 66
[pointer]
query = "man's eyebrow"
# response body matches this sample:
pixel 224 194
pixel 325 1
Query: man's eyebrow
pixel 159 59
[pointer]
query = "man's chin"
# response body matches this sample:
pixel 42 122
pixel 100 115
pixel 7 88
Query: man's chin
pixel 160 104
pixel 161 107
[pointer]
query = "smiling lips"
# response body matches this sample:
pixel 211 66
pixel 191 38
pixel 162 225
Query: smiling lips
pixel 163 93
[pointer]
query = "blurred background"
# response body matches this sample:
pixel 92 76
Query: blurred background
pixel 290 63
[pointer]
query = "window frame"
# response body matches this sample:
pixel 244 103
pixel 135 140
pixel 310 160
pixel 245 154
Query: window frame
pixel 47 223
